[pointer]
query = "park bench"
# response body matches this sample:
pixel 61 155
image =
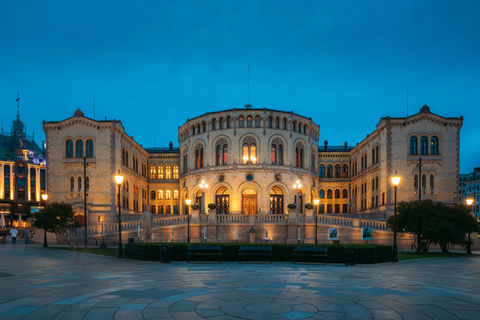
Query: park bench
pixel 205 253
pixel 310 254
pixel 254 253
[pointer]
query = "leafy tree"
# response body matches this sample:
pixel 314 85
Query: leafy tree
pixel 58 219
pixel 434 223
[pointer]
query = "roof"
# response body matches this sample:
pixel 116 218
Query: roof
pixel 162 150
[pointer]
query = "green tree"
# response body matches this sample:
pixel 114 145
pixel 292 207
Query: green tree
pixel 434 223
pixel 58 219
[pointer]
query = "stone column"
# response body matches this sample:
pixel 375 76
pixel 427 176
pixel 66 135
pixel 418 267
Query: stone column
pixel 309 226
pixel 212 226
pixel 195 231
pixel 292 226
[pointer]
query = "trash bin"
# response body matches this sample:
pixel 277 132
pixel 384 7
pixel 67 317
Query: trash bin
pixel 165 254
pixel 131 240
pixel 350 256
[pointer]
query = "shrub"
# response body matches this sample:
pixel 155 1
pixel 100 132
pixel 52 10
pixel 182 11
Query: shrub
pixel 142 251
pixel 212 206
pixel 291 206
pixel 308 206
pixel 195 206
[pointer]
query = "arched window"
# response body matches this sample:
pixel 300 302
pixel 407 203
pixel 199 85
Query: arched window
pixel 277 151
pixel 168 172
pixel 434 145
pixel 221 152
pixel 160 194
pixel 241 120
pixel 321 171
pixel 295 125
pixel 312 159
pixel 345 171
pixel 321 194
pixel 345 194
pixel 249 121
pixel 423 145
pixel 79 149
pixel 72 184
pixel 204 126
pixel 153 173
pixel 249 151
pixel 175 195
pixel 229 119
pixel 413 145
pixel 373 156
pixel 90 148
pixel 168 195
pixel 329 194
pixel 87 183
pixel 285 123
pixel 373 184
pixel 185 159
pixel 152 195
pixel 214 124
pixel 198 156
pixel 431 181
pixel 376 154
pixel 79 184
pixel 424 180
pixel 221 123
pixel 337 171
pixel 257 121
pixel 123 156
pixel 329 171
pixel 175 172
pixel 337 193
pixel 299 155
pixel 277 123
pixel 415 182
pixel 160 172
pixel 198 128
pixel 270 122
pixel 69 149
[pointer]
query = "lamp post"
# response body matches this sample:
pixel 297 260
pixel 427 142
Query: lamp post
pixel 45 197
pixel 296 186
pixel 85 165
pixel 119 180
pixel 203 186
pixel 469 247
pixel 316 202
pixel 188 201
pixel 395 182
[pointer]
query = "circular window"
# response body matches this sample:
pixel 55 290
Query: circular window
pixel 221 178
pixel 277 177
pixel 249 176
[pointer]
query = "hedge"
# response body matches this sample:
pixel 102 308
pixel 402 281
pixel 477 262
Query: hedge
pixel 366 253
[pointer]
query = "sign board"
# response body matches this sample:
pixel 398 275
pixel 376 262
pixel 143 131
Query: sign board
pixel 367 233
pixel 35 209
pixel 332 233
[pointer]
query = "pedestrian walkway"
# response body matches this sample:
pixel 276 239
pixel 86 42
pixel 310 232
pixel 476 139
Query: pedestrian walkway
pixel 40 283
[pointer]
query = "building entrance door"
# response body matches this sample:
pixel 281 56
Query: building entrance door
pixel 249 204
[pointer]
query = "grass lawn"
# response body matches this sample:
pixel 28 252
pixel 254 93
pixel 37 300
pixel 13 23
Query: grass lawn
pixel 112 252
pixel 412 255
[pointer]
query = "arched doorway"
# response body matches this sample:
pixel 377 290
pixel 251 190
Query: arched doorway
pixel 276 200
pixel 79 218
pixel 249 200
pixel 222 200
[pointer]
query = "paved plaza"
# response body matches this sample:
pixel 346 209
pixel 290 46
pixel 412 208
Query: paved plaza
pixel 39 283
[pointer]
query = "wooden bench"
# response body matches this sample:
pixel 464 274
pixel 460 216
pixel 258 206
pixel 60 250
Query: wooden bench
pixel 205 253
pixel 310 254
pixel 254 253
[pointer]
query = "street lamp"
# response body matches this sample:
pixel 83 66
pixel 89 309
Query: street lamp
pixel 296 187
pixel 203 186
pixel 469 247
pixel 119 180
pixel 188 201
pixel 316 202
pixel 45 197
pixel 395 182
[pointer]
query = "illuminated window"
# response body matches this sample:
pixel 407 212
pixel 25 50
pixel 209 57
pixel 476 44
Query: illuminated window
pixel 198 156
pixel 221 153
pixel 69 149
pixel 277 152
pixel 160 172
pixel 168 195
pixel 175 195
pixel 152 172
pixel 160 194
pixel 168 172
pixel 434 145
pixel 175 172
pixel 249 151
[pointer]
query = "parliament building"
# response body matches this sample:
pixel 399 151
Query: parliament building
pixel 248 161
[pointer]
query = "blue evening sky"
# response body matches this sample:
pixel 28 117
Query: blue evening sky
pixel 154 64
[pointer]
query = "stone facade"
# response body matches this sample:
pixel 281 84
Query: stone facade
pixel 250 159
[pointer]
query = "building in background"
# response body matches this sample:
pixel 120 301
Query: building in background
pixel 22 173
pixel 470 189
pixel 250 159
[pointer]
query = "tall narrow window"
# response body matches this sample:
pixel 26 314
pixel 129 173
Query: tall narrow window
pixel 221 152
pixel 153 172
pixel 312 159
pixel 270 122
pixel 168 172
pixel 198 156
pixel 228 122
pixel 415 182
pixel 160 194
pixel 321 171
pixel 345 194
pixel 168 195
pixel 376 154
pixel 434 145
pixel 241 120
pixel 79 184
pixel 69 149
pixel 175 172
pixel 345 171
pixel 221 123
pixel 249 121
pixel 329 171
pixel 277 123
pixel 72 184
pixel 337 171
pixel 276 151
pixel 423 145
pixel 249 151
pixel 257 121
pixel 431 181
pixel 285 123
pixel 160 172
pixel 175 195
pixel 299 154
pixel 373 156
pixel 152 195
pixel 321 194
pixel 90 148
pixel 214 123
pixel 185 154
pixel 329 194
pixel 424 180
pixel 87 183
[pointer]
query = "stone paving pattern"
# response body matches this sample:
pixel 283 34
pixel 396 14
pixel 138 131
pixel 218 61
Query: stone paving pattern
pixel 39 283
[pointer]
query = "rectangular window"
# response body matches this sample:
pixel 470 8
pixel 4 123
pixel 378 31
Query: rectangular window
pixel 175 209
pixel 321 208
pixel 168 195
pixel 42 180
pixel 169 209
